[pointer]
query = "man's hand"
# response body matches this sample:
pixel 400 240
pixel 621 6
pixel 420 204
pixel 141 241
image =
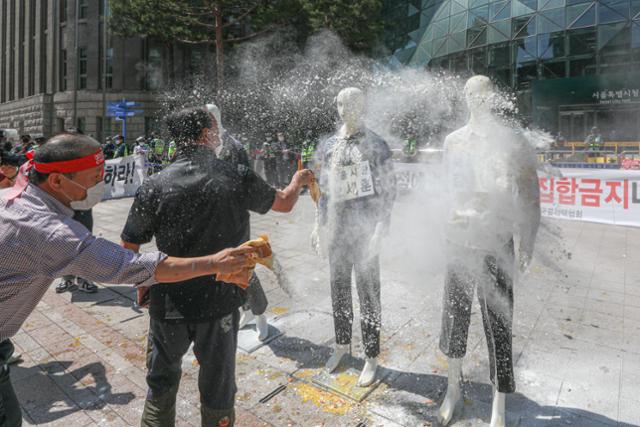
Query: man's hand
pixel 303 177
pixel 232 260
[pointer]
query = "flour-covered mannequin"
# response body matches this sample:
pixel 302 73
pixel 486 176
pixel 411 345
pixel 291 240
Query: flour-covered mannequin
pixel 358 191
pixel 231 150
pixel 493 203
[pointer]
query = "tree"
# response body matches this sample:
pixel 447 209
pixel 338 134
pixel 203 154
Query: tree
pixel 357 22
pixel 201 22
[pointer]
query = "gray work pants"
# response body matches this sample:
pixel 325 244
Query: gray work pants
pixel 214 345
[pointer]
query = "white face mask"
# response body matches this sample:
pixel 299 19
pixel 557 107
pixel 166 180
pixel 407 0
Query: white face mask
pixel 94 196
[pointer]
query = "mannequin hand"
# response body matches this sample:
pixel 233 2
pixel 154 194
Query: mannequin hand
pixel 375 244
pixel 524 258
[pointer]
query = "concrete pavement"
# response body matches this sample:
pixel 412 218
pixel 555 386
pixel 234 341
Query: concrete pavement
pixel 576 338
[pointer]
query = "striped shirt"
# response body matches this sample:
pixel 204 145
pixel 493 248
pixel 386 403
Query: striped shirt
pixel 39 242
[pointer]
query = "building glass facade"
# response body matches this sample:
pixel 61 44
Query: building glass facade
pixel 521 43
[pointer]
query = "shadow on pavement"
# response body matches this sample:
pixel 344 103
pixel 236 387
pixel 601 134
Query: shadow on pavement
pixel 428 390
pixel 45 403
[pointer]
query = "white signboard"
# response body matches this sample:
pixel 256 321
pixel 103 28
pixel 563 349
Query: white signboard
pixel 606 196
pixel 123 176
pixel 354 181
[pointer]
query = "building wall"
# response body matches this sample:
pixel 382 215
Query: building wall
pixel 33 98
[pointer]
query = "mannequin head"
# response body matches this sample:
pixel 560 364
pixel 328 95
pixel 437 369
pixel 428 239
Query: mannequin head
pixel 351 107
pixel 215 112
pixel 478 92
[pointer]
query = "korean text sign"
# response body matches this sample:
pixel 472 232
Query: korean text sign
pixel 605 196
pixel 123 176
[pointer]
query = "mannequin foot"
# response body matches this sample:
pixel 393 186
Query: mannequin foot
pixel 262 327
pixel 245 317
pixel 498 418
pixel 338 354
pixel 368 374
pixel 454 392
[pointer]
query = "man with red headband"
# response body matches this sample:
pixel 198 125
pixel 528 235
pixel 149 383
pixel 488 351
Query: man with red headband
pixel 39 242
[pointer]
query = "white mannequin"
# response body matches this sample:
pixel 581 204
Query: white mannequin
pixel 246 316
pixel 351 104
pixel 499 198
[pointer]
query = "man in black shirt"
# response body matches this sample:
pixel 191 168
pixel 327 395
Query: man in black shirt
pixel 197 203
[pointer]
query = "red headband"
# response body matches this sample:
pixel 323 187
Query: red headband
pixel 67 166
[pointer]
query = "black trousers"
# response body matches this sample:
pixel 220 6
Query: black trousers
pixel 343 259
pixel 10 413
pixel 214 345
pixel 256 299
pixel 495 294
pixel 85 218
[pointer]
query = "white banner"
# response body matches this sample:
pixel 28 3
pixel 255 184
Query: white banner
pixel 597 195
pixel 123 176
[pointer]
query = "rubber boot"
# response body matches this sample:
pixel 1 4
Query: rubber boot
pixel 217 417
pixel 161 411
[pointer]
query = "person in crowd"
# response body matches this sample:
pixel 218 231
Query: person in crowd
pixel 286 160
pixel 308 150
pixel 196 205
pixel 594 141
pixel 26 145
pixel 85 217
pixel 39 141
pixel 39 242
pixel 9 164
pixel 269 160
pixel 141 147
pixel 5 143
pixel 122 148
pixel 410 149
pixel 109 148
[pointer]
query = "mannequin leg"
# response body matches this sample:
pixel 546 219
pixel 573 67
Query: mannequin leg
pixel 246 316
pixel 456 317
pixel 495 294
pixel 340 268
pixel 498 418
pixel 368 286
pixel 454 392
pixel 257 301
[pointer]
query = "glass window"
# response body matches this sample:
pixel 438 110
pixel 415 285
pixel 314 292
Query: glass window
pixel 478 16
pixel 551 46
pixel 550 4
pixel 443 11
pixel 63 70
pixel 582 42
pixel 476 3
pixel 570 2
pixel 554 70
pixel 83 6
pixel 525 75
pixel 457 42
pixel 614 38
pixel 458 23
pixel 612 13
pixel 635 8
pixel 63 10
pixel 587 19
pixel 523 26
pixel 574 12
pixel 476 36
pixel 498 32
pixel 109 72
pixel 499 56
pixel 582 67
pixel 440 28
pixel 526 50
pixel 504 13
pixel 519 8
pixel 81 124
pixel 82 62
pixel 478 60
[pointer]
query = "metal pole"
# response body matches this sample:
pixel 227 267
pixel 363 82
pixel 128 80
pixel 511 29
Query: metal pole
pixel 77 68
pixel 104 68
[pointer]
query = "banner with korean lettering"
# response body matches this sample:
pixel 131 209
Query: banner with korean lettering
pixel 123 176
pixel 597 195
